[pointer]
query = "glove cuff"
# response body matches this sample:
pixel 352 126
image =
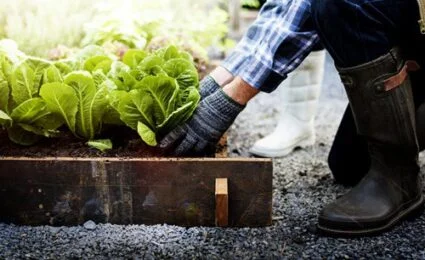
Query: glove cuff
pixel 208 86
pixel 224 105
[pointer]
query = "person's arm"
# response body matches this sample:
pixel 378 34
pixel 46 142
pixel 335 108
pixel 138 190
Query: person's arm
pixel 221 76
pixel 214 81
pixel 211 119
pixel 273 46
pixel 240 91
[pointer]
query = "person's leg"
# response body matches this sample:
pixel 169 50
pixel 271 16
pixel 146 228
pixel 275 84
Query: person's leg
pixel 299 98
pixel 357 31
pixel 361 36
pixel 348 159
pixel 416 51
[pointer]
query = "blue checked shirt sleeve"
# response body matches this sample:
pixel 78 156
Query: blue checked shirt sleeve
pixel 274 45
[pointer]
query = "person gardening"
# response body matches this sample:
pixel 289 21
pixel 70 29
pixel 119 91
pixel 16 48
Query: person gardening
pixel 274 45
pixel 374 56
pixel 375 44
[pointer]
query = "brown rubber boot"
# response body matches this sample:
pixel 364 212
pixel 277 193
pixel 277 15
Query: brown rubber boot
pixel 381 100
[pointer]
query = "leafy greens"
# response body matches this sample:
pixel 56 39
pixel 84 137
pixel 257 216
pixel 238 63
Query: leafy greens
pixel 151 93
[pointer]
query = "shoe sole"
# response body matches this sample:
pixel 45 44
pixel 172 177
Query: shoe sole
pixel 417 207
pixel 304 142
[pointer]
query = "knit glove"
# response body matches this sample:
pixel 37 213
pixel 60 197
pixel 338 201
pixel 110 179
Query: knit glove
pixel 207 86
pixel 200 134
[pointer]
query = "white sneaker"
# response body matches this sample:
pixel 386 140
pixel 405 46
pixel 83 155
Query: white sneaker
pixel 300 94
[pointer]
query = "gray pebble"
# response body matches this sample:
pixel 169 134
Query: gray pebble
pixel 90 225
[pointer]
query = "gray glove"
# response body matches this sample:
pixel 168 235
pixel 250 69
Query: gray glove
pixel 207 86
pixel 200 134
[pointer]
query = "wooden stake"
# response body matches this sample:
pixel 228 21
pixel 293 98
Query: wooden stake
pixel 221 202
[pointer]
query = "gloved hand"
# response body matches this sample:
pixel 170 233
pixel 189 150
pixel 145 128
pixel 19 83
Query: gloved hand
pixel 207 86
pixel 199 135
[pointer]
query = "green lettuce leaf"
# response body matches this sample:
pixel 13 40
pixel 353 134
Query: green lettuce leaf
pixel 99 77
pixel 133 57
pixel 92 103
pixel 98 63
pixel 4 93
pixel 39 130
pixel 175 118
pixel 120 75
pixel 152 65
pixel 101 144
pixel 20 136
pixel 50 122
pixel 64 67
pixel 30 111
pixel 5 119
pixel 33 116
pixel 183 71
pixel 23 83
pixel 6 68
pixel 90 51
pixel 112 116
pixel 62 100
pixel 38 66
pixel 147 135
pixel 164 92
pixel 51 75
pixel 172 52
pixel 136 106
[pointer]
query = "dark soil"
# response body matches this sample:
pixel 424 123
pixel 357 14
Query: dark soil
pixel 126 143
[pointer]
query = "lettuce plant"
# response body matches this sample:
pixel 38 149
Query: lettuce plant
pixel 163 91
pixel 78 101
pixel 158 105
pixel 22 112
pixel 151 93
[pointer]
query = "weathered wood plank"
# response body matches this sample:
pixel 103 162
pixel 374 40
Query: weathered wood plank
pixel 68 191
pixel 221 202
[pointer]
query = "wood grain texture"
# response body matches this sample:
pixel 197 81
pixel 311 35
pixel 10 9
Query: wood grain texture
pixel 69 191
pixel 221 202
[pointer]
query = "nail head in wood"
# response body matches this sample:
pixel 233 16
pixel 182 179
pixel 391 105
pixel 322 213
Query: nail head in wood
pixel 221 202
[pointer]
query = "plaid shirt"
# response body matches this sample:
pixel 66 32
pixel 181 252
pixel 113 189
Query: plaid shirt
pixel 274 45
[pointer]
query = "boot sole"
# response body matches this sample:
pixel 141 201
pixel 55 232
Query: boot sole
pixel 302 143
pixel 414 209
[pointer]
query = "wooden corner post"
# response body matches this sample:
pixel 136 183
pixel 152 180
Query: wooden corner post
pixel 221 202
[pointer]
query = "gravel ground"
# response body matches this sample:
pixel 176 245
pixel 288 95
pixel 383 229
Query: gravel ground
pixel 302 184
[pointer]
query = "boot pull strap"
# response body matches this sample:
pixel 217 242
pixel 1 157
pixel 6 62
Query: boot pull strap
pixel 400 77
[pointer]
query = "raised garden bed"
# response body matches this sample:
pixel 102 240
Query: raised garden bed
pixel 121 187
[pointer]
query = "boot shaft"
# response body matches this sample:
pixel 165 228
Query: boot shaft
pixel 382 102
pixel 301 90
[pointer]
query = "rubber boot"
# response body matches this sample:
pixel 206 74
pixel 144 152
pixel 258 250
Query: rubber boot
pixel 382 103
pixel 300 94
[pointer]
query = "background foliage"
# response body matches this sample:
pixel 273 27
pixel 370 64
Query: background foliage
pixel 41 25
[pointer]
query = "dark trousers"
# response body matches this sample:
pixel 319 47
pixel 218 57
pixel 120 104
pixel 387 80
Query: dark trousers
pixel 356 32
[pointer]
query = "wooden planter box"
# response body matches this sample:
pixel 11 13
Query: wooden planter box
pixel 178 191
